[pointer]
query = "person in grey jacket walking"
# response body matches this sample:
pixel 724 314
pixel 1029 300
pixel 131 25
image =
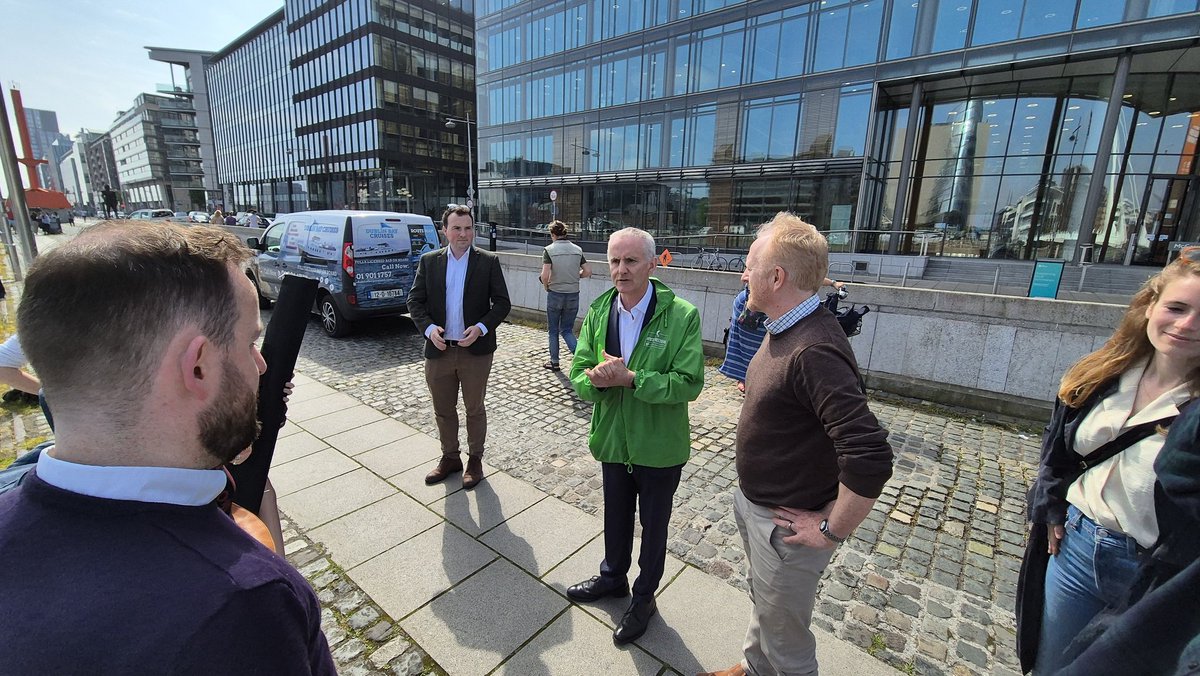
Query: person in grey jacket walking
pixel 563 265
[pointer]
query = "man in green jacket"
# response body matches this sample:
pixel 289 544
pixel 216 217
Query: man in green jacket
pixel 639 360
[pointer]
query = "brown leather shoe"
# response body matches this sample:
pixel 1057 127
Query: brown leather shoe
pixel 735 670
pixel 449 464
pixel 474 472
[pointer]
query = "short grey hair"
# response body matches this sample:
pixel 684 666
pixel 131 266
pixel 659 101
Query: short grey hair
pixel 646 238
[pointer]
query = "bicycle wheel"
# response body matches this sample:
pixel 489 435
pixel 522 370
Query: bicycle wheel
pixel 737 264
pixel 721 264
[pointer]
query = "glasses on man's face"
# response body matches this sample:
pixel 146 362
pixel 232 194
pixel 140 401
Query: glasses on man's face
pixel 1192 253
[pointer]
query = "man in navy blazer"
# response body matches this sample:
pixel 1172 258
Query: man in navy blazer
pixel 457 300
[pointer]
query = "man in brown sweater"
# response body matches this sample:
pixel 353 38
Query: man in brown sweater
pixel 811 457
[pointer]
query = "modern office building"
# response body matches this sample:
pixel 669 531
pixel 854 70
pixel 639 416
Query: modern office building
pixel 47 143
pixel 156 149
pixel 101 164
pixel 74 173
pixel 191 83
pixel 344 104
pixel 981 128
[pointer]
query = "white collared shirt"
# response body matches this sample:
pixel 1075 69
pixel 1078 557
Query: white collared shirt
pixel 1119 492
pixel 168 485
pixel 629 322
pixel 456 280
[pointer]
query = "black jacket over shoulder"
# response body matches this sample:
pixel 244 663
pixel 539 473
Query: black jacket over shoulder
pixel 1159 631
pixel 1047 504
pixel 485 297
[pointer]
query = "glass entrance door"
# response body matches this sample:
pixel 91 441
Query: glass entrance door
pixel 1164 216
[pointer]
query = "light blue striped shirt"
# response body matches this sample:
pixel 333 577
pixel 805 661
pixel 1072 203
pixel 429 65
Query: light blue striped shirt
pixel 793 316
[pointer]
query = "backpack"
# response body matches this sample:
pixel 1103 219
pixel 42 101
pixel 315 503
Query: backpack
pixel 849 317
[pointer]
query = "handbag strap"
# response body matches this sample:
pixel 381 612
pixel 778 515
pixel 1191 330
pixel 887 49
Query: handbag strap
pixel 1128 438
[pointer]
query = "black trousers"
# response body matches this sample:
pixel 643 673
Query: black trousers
pixel 650 490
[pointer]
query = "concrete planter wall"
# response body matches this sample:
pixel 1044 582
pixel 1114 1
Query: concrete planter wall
pixel 992 353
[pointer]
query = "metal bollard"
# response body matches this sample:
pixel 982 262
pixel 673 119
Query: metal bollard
pixel 904 278
pixel 1082 275
pixel 996 281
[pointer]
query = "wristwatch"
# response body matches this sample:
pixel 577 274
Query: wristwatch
pixel 824 527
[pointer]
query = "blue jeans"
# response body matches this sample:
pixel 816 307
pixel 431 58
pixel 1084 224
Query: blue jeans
pixel 1093 570
pixel 561 309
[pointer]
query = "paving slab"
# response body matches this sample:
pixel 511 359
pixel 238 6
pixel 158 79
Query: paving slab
pixel 412 482
pixel 289 428
pixel 309 390
pixel 701 624
pixel 299 379
pixel 310 470
pixel 498 498
pixel 542 536
pixel 295 446
pixel 330 424
pixel 418 450
pixel 585 563
pixel 369 436
pixel 326 501
pixel 408 575
pixel 577 643
pixel 470 629
pixel 376 528
pixel 314 408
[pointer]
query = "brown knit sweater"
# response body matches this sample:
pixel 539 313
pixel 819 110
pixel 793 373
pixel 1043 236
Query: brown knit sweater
pixel 805 425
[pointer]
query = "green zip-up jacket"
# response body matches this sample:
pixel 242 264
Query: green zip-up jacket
pixel 648 424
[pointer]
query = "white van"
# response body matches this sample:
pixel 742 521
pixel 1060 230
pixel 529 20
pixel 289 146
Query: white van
pixel 364 261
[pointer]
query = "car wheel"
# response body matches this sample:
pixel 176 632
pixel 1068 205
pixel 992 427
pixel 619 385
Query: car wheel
pixel 264 303
pixel 332 321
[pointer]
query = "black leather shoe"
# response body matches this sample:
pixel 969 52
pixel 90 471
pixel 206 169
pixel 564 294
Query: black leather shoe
pixel 636 619
pixel 597 588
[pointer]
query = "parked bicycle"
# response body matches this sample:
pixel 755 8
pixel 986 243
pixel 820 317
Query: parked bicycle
pixel 711 259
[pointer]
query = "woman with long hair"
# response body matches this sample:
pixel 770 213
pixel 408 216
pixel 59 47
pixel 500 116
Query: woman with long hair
pixel 1093 504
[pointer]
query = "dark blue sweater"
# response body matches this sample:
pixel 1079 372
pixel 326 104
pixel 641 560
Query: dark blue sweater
pixel 98 586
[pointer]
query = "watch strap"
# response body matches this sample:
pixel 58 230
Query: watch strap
pixel 824 527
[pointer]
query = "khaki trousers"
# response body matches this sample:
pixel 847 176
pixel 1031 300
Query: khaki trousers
pixel 783 585
pixel 444 375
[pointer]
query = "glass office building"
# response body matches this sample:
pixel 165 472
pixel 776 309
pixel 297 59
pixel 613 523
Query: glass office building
pixel 250 97
pixel 345 103
pixel 982 128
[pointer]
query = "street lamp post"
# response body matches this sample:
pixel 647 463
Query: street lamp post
pixel 451 123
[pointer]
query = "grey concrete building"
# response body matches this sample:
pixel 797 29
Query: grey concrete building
pixel 190 81
pixel 156 149
pixel 101 164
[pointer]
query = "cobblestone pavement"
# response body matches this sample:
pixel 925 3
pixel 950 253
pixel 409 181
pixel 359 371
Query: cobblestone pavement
pixel 927 583
pixel 363 639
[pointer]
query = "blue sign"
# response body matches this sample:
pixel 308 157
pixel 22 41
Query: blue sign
pixel 1046 277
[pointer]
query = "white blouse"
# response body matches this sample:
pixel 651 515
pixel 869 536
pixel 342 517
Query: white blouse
pixel 1119 492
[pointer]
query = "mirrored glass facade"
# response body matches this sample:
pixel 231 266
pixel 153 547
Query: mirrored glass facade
pixel 967 127
pixel 351 103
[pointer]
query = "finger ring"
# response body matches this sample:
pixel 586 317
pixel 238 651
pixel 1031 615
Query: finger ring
pixel 791 525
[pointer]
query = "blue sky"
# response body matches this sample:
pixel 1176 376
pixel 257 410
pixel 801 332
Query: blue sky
pixel 86 59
